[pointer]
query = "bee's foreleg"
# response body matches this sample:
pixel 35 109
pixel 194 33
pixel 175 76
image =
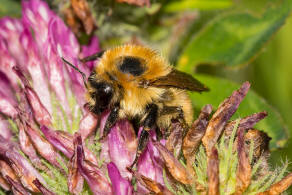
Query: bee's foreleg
pixel 92 57
pixel 149 122
pixel 111 120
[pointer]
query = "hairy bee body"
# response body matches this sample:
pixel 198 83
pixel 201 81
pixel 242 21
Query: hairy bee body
pixel 129 89
pixel 135 82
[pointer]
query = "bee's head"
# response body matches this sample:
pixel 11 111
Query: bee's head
pixel 100 94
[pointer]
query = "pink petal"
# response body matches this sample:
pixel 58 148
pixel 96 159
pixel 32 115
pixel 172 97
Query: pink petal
pixel 10 30
pixel 62 39
pixel 5 131
pixel 57 80
pixel 120 185
pixel 37 14
pixel 150 163
pixel 88 124
pixel 35 68
pixel 6 86
pixel 28 148
pixel 61 140
pixel 90 49
pixel 103 119
pixel 6 64
pixel 122 146
pixel 7 106
pixel 42 188
pixel 44 148
pixel 104 154
pixel 91 173
pixel 64 44
pixel 40 112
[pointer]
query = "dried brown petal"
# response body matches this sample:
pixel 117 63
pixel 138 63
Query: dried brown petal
pixel 3 184
pixel 213 172
pixel 174 141
pixel 243 174
pixel 136 2
pixel 151 185
pixel 194 136
pixel 75 179
pixel 17 188
pixel 6 170
pixel 82 11
pixel 222 115
pixel 23 169
pixel 177 170
pixel 20 166
pixel 71 20
pixel 279 187
pixel 246 123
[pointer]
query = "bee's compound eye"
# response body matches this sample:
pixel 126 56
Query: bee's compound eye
pixel 103 96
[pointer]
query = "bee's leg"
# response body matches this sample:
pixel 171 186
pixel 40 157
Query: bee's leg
pixel 111 120
pixel 148 123
pixel 92 57
pixel 178 117
pixel 159 134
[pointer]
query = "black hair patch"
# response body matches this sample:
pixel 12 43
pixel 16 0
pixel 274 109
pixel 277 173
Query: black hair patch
pixel 132 65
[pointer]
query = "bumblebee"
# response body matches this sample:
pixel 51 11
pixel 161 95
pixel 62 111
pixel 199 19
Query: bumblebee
pixel 137 83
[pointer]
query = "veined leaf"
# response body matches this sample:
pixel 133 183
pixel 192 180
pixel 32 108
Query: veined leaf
pixel 220 89
pixel 233 39
pixel 197 4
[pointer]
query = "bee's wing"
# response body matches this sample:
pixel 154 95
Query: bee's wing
pixel 180 80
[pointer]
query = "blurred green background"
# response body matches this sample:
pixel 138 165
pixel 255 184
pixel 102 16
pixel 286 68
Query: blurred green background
pixel 231 41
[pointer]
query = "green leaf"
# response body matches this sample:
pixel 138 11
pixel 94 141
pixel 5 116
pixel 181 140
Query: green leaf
pixel 10 8
pixel 234 38
pixel 220 89
pixel 197 4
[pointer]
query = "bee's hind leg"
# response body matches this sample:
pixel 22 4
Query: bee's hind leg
pixel 148 123
pixel 179 116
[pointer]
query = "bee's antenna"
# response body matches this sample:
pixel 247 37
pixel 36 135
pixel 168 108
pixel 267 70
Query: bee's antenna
pixel 82 73
pixel 93 56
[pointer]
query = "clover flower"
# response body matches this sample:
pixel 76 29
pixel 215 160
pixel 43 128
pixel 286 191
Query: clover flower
pixel 49 139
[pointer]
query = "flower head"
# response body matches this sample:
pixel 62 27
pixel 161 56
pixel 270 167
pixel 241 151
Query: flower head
pixel 49 138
